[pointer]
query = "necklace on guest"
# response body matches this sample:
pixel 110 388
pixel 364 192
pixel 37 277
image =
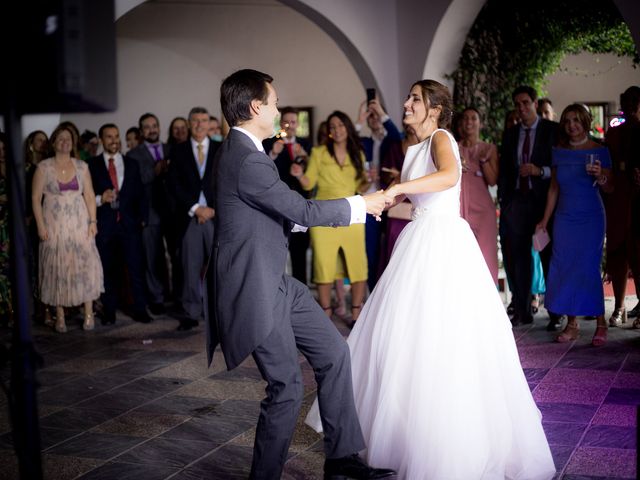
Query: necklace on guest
pixel 580 142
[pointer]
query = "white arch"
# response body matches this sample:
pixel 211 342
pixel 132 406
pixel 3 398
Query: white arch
pixel 449 39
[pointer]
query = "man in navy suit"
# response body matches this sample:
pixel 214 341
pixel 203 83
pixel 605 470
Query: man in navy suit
pixel 191 182
pixel 284 151
pixel 523 183
pixel 120 214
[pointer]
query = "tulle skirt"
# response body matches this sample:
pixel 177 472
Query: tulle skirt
pixel 438 385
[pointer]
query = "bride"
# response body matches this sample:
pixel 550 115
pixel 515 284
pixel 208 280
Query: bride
pixel 437 381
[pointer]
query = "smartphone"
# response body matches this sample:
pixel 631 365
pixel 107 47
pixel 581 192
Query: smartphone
pixel 371 94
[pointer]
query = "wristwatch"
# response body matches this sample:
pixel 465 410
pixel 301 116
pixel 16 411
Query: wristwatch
pixel 541 172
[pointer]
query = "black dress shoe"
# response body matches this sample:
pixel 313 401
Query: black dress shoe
pixel 108 318
pixel 142 317
pixel 521 319
pixel 353 467
pixel 187 324
pixel 157 309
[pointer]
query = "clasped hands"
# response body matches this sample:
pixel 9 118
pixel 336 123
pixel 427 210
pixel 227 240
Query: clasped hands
pixel 378 201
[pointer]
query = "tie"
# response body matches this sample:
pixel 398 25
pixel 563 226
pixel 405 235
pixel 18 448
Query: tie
pixel 526 147
pixel 290 148
pixel 200 154
pixel 113 175
pixel 157 152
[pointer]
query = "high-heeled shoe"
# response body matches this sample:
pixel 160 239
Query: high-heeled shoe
pixel 600 336
pixel 636 323
pixel 618 316
pixel 89 322
pixel 570 333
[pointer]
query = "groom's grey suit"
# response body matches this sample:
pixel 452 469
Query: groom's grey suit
pixel 257 310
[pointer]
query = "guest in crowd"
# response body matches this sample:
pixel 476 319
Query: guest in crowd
pixel 133 138
pixel 89 144
pixel 121 214
pixel 286 150
pixel 383 134
pixel 191 182
pixel 580 166
pixel 70 271
pixel 337 170
pixel 545 109
pixel 178 131
pixel 621 204
pixel 215 129
pixel 153 161
pixel 480 172
pixel 523 181
pixel 36 147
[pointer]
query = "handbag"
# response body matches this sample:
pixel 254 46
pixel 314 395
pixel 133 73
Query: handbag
pixel 540 240
pixel 401 211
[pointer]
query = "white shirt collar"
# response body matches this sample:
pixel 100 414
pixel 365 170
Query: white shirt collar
pixel 253 138
pixel 204 143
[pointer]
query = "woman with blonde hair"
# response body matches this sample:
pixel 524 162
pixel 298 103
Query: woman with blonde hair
pixel 70 272
pixel 580 168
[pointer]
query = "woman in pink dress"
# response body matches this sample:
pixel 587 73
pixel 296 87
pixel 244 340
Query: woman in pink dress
pixel 64 207
pixel 480 172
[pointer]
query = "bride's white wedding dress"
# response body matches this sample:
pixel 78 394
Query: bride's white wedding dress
pixel 437 381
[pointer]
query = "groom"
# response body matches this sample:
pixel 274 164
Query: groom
pixel 258 310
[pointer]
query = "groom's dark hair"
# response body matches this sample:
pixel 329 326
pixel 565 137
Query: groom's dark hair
pixel 237 92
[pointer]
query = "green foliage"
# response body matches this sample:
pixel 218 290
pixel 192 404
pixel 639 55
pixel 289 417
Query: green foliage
pixel 521 43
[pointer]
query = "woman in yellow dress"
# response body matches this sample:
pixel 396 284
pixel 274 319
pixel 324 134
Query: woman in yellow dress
pixel 337 170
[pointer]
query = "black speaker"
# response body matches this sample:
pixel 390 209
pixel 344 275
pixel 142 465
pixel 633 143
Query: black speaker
pixel 64 57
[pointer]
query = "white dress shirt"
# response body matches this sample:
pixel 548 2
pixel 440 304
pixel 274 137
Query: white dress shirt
pixel 119 163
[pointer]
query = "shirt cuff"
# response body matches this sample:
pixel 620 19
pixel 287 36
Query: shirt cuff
pixel 98 200
pixel 298 228
pixel 192 210
pixel 546 172
pixel 385 118
pixel 358 127
pixel 358 209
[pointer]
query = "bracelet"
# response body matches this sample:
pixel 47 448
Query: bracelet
pixel 92 221
pixel 602 179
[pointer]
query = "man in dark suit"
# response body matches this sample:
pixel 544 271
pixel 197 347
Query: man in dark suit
pixel 383 134
pixel 120 214
pixel 285 150
pixel 191 181
pixel 152 157
pixel 525 173
pixel 258 310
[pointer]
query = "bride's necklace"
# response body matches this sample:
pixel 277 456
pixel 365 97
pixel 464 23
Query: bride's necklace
pixel 580 142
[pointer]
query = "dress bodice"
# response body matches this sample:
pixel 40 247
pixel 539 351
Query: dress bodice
pixel 418 162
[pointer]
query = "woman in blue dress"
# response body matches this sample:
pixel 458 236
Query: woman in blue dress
pixel 580 167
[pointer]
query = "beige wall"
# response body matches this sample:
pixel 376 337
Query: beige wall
pixel 172 57
pixel 591 78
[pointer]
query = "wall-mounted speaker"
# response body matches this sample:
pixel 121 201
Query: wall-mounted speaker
pixel 63 59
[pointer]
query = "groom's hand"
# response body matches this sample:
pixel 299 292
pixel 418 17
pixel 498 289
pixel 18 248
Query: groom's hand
pixel 375 203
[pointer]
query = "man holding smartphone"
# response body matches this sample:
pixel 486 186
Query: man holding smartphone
pixel 383 134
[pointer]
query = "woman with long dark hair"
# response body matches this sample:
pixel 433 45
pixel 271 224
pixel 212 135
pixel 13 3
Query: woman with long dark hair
pixel 337 170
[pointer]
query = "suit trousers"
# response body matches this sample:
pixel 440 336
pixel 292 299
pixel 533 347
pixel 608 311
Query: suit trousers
pixel 517 225
pixel 155 261
pixel 303 327
pixel 197 243
pixel 110 246
pixel 298 246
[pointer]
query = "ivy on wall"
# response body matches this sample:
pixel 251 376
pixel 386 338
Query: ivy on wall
pixel 521 43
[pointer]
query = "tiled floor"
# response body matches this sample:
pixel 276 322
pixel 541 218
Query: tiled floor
pixel 115 406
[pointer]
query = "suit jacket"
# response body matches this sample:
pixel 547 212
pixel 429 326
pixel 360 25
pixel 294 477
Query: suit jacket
pixel 283 164
pixel 393 136
pixel 155 188
pixel 185 183
pixel 132 202
pixel 255 212
pixel 545 139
